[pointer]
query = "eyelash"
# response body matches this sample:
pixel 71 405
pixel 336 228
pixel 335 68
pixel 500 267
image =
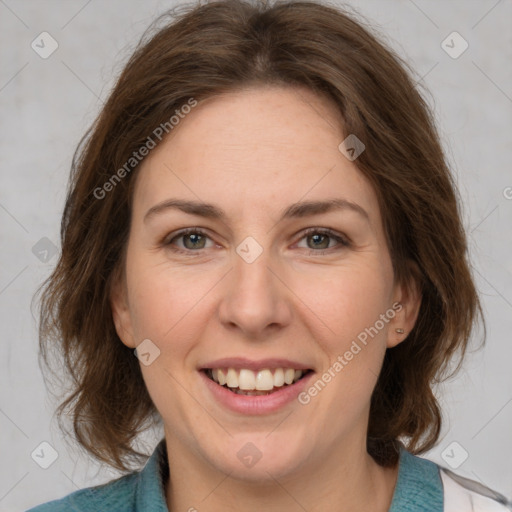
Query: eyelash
pixel 342 241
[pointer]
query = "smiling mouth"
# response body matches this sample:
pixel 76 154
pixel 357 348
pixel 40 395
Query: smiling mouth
pixel 250 383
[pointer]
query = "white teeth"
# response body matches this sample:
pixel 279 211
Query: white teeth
pixel 264 380
pixel 221 377
pixel 232 378
pixel 248 380
pixel 289 375
pixel 278 378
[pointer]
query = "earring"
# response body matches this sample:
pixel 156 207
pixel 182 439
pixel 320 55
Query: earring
pixel 399 331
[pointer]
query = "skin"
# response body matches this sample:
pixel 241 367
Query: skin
pixel 254 152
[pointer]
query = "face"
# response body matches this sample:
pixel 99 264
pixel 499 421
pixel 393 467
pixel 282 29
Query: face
pixel 286 270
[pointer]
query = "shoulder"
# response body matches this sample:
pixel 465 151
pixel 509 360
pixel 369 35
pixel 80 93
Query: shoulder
pixel 135 492
pixel 424 485
pixel 463 494
pixel 118 495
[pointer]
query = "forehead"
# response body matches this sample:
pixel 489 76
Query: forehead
pixel 254 150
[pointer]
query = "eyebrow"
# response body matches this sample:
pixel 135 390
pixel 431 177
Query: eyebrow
pixel 295 210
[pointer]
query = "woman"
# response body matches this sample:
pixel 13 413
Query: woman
pixel 263 215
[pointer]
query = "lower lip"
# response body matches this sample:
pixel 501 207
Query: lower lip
pixel 262 404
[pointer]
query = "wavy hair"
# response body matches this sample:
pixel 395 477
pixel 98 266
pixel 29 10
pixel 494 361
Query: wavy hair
pixel 199 51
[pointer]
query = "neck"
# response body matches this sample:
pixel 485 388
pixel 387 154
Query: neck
pixel 340 483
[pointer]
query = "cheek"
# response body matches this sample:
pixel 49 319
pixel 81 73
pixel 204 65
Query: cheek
pixel 346 301
pixel 165 302
pixel 166 307
pixel 347 311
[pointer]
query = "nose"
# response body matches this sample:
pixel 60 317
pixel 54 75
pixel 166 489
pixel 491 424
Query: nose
pixel 255 299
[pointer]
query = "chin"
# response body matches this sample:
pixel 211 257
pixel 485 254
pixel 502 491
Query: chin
pixel 259 457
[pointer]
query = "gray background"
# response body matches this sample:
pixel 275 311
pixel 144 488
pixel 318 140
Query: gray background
pixel 46 105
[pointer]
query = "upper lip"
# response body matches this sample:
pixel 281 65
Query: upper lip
pixel 250 364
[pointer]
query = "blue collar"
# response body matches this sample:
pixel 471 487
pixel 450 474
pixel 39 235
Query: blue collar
pixel 150 485
pixel 419 486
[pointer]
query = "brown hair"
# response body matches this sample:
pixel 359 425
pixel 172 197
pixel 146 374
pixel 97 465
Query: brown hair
pixel 215 48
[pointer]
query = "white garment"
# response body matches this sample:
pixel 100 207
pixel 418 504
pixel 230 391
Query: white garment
pixel 465 495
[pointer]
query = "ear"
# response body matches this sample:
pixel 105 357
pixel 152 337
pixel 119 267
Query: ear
pixel 118 298
pixel 406 304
